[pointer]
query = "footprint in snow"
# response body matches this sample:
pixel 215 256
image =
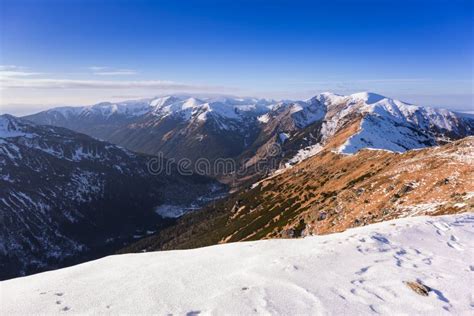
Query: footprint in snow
pixel 363 270
pixel 442 227
pixel 427 261
pixel 455 245
pixel 372 308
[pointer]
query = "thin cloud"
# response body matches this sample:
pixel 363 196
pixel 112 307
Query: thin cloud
pixel 393 80
pixel 97 68
pixel 376 81
pixel 8 74
pixel 44 83
pixel 109 71
pixel 7 71
pixel 119 72
pixel 10 67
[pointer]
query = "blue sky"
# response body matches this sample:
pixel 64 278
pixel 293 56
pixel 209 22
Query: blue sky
pixel 81 52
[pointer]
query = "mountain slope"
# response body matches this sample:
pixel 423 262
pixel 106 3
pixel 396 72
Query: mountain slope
pixel 330 192
pixel 65 197
pixel 249 130
pixel 368 270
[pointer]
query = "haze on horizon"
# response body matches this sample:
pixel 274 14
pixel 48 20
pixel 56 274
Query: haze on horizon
pixel 83 52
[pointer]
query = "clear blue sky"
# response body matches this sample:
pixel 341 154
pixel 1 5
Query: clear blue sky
pixel 74 52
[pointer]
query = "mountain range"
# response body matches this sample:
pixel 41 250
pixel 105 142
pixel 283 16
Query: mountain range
pixel 247 129
pixel 75 181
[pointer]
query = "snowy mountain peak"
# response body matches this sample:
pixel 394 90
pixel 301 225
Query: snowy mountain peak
pixel 192 103
pixel 306 113
pixel 161 102
pixel 398 126
pixel 327 98
pixel 384 123
pixel 367 97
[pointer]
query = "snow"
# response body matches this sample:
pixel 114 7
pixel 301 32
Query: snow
pixel 360 271
pixel 87 186
pixel 412 210
pixel 328 98
pixel 107 109
pixel 191 108
pixel 367 97
pixel 264 118
pixel 283 137
pixel 10 127
pixel 191 103
pixel 304 153
pixel 387 123
pixel 183 106
pixel 383 134
pixel 306 113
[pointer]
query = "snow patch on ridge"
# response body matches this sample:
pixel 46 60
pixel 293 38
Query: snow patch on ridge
pixel 382 134
pixel 303 154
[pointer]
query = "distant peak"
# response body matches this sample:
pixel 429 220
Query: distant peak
pixel 327 97
pixel 192 102
pixel 10 120
pixel 367 97
pixel 331 94
pixel 7 117
pixel 163 101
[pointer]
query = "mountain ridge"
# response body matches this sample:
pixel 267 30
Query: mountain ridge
pixel 331 192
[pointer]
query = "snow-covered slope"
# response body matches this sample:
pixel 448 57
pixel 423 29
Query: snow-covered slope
pixel 360 271
pixel 383 123
pixel 392 124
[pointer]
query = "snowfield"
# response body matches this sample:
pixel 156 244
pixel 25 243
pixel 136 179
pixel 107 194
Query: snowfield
pixel 360 271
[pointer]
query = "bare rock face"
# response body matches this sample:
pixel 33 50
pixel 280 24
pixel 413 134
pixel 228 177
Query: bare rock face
pixel 418 287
